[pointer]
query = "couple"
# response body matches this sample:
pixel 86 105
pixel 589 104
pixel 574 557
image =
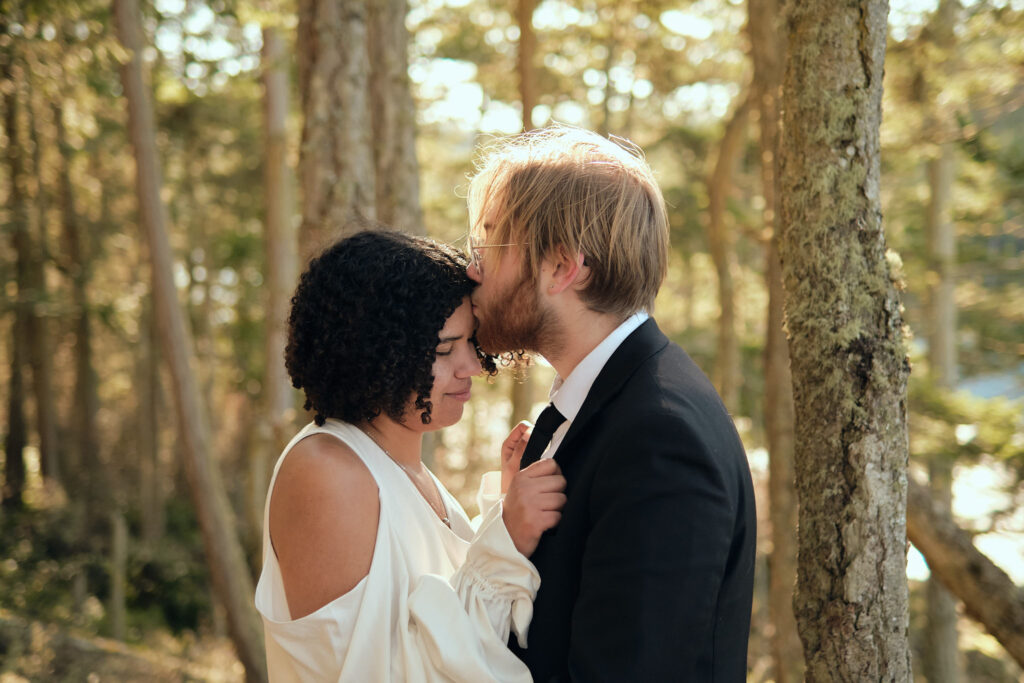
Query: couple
pixel 623 547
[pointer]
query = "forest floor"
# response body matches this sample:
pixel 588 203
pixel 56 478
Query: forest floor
pixel 34 651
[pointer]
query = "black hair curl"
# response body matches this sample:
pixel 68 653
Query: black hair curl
pixel 364 323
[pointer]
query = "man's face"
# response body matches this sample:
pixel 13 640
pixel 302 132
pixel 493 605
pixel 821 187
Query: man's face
pixel 509 309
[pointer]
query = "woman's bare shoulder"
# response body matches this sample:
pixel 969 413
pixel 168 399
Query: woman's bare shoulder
pixel 324 512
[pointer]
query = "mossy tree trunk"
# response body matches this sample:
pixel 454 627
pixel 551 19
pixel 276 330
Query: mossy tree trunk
pixel 336 167
pixel 228 570
pixel 849 364
pixel 763 27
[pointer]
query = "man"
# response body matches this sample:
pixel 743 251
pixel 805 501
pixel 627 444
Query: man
pixel 649 574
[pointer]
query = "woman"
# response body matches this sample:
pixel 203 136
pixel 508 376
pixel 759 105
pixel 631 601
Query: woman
pixel 371 571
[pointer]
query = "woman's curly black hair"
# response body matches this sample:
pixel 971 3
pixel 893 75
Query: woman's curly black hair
pixel 364 323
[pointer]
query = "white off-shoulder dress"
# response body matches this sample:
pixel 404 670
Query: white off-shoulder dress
pixel 438 604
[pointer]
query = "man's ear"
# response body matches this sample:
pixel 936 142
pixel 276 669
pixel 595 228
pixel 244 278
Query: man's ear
pixel 565 269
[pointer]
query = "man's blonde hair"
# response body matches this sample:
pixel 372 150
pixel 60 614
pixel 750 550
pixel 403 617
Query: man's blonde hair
pixel 565 187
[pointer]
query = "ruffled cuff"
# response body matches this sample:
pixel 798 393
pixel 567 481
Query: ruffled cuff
pixel 498 578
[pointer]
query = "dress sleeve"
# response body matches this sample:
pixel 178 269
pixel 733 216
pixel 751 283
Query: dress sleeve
pixel 464 632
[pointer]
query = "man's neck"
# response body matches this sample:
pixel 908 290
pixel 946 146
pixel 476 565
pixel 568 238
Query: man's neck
pixel 579 332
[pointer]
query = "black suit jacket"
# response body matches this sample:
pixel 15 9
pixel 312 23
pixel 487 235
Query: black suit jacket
pixel 649 575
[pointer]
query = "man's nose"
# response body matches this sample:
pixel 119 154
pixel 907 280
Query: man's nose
pixel 474 273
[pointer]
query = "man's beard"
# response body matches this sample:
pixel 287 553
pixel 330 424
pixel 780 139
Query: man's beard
pixel 515 321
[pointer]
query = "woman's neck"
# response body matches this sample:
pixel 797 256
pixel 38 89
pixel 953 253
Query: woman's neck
pixel 403 445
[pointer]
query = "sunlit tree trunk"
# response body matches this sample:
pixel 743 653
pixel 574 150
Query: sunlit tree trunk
pixel 394 118
pixel 281 245
pixel 16 437
pixel 522 388
pixel 336 165
pixel 229 573
pixel 845 340
pixel 989 596
pixel 525 60
pixel 723 252
pixel 767 55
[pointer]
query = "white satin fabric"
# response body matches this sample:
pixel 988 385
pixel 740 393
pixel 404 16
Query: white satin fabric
pixel 438 604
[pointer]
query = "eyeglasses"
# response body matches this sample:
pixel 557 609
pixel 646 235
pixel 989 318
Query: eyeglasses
pixel 474 245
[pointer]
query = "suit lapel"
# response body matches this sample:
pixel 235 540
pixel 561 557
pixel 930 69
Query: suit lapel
pixel 643 343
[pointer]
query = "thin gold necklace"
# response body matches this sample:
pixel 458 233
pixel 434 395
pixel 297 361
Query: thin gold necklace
pixel 440 513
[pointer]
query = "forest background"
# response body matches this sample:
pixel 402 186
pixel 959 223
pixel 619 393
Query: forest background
pixel 140 362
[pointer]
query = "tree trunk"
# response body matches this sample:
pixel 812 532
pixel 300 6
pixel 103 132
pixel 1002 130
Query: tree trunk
pixel 38 328
pixel 767 54
pixel 336 158
pixel 989 596
pixel 394 118
pixel 845 340
pixel 525 58
pixel 152 478
pixel 941 663
pixel 522 388
pixel 17 430
pixel 228 570
pixel 118 572
pixel 723 253
pixel 85 449
pixel 941 655
pixel 281 245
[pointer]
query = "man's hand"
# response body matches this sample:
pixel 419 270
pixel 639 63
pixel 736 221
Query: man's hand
pixel 533 503
pixel 512 452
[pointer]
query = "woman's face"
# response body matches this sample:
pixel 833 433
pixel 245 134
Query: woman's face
pixel 454 368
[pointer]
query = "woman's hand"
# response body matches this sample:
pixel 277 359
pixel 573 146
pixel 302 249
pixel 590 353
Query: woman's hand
pixel 512 452
pixel 533 503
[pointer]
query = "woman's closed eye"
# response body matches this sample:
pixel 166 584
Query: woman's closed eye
pixel 444 349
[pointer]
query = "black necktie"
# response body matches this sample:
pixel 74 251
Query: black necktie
pixel 547 423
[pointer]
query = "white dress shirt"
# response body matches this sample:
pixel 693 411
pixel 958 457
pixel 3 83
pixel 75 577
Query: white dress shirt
pixel 569 394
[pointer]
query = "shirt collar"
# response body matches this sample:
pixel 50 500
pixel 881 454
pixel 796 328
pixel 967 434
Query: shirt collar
pixel 569 394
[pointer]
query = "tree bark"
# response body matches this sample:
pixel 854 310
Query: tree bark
pixel 723 252
pixel 17 430
pixel 989 596
pixel 394 118
pixel 941 663
pixel 281 246
pixel 38 328
pixel 525 58
pixel 336 165
pixel 84 447
pixel 230 575
pixel 941 654
pixel 767 55
pixel 845 340
pixel 152 478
